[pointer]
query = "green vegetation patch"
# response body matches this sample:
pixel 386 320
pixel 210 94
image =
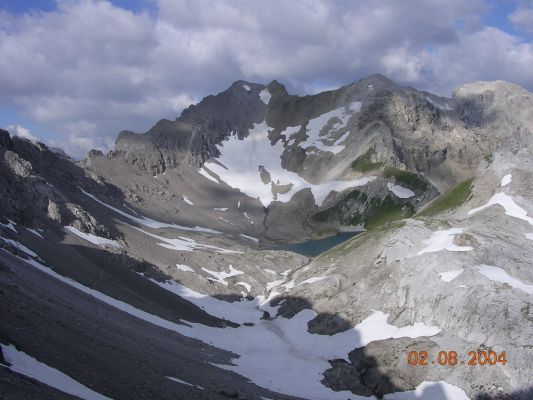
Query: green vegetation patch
pixel 381 212
pixel 406 178
pixel 364 164
pixel 377 212
pixel 450 199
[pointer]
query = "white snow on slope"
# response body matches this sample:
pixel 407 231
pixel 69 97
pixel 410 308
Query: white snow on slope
pixel 24 364
pixel 238 312
pixel 400 191
pixel 221 209
pixel 529 236
pixel 273 284
pixel 245 285
pixel 142 220
pixel 321 140
pixel 270 271
pixel 242 159
pixel 203 172
pixel 290 133
pixel 511 208
pixel 220 277
pixel 265 96
pixel 281 342
pixel 186 200
pixel 19 246
pixel 428 390
pixel 449 276
pixel 187 244
pixel 246 87
pixel 183 382
pixel 249 237
pixel 499 275
pixel 35 232
pixel 184 268
pixel 98 240
pixel 506 180
pixel 10 225
pixel 443 240
pixel 313 280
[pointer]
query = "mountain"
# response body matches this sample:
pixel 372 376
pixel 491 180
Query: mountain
pixel 158 270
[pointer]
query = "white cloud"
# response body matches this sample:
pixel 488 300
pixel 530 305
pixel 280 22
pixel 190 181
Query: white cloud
pixel 91 69
pixel 522 18
pixel 18 130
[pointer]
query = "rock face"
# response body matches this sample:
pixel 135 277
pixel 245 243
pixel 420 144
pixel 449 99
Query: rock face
pixel 153 258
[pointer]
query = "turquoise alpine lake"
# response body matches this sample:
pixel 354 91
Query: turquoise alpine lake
pixel 312 248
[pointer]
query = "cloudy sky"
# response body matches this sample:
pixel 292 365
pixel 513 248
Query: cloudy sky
pixel 75 73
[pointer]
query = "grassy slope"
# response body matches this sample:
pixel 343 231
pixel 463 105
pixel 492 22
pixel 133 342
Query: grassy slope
pixel 450 199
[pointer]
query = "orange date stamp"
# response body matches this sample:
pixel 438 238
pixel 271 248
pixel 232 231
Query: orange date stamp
pixel 452 358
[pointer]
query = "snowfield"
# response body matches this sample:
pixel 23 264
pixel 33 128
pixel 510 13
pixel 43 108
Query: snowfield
pixel 242 159
pixel 280 342
pixel 506 180
pixel 443 240
pixel 98 240
pixel 499 275
pixel 186 244
pixel 22 363
pixel 400 191
pixel 265 96
pixel 220 277
pixel 511 208
pixel 19 246
pixel 449 276
pixel 321 139
pixel 184 268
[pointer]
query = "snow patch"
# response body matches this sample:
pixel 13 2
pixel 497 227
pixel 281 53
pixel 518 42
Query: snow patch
pixel 265 96
pixel 253 239
pixel 429 390
pixel 203 171
pixel 449 276
pixel 400 191
pixel 238 312
pixel 221 209
pixel 220 277
pixel 499 275
pixel 35 232
pixel 183 382
pixel 313 280
pixel 247 286
pixel 322 140
pixel 98 240
pixel 184 268
pixel 506 180
pixel 529 236
pixel 443 240
pixel 10 225
pixel 19 246
pixel 246 87
pixel 24 364
pixel 511 208
pixel 142 220
pixel 187 244
pixel 186 200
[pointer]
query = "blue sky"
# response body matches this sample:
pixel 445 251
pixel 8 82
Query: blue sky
pixel 77 72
